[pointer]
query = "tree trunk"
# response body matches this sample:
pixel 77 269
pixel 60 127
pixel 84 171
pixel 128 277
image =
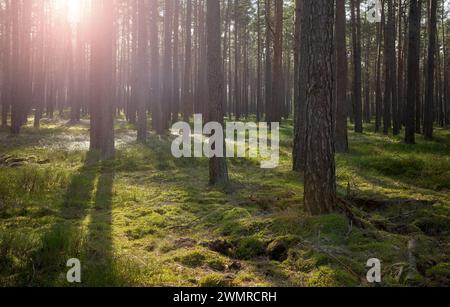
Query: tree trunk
pixel 430 77
pixel 413 68
pixel 390 89
pixel 357 83
pixel 141 80
pixel 176 64
pixel 102 110
pixel 167 97
pixel 6 89
pixel 320 173
pixel 268 66
pixel 22 60
pixel 259 94
pixel 187 84
pixel 273 112
pixel 378 91
pixel 157 121
pixel 341 78
pixel 299 151
pixel 218 172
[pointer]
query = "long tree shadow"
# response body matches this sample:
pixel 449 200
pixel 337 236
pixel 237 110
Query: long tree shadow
pixel 98 249
pixel 64 239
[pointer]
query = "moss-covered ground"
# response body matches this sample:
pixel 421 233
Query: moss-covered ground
pixel 148 219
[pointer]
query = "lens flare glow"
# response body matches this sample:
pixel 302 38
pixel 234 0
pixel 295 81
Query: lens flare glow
pixel 70 10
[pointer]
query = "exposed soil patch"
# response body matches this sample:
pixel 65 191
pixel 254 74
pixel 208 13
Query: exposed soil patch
pixel 249 248
pixel 220 246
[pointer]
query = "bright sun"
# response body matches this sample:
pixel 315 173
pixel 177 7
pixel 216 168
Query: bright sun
pixel 70 9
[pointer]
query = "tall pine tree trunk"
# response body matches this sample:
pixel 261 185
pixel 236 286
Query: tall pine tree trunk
pixel 320 172
pixel 430 77
pixel 102 109
pixel 341 78
pixel 413 68
pixel 218 172
pixel 357 82
pixel 268 56
pixel 187 84
pixel 274 112
pixel 141 80
pixel 6 90
pixel 155 96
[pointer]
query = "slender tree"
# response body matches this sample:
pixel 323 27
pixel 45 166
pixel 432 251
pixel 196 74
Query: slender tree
pixel 187 84
pixel 341 78
pixel 7 74
pixel 15 77
pixel 357 82
pixel 378 89
pixel 268 56
pixel 274 110
pixel 413 68
pixel 299 150
pixel 155 97
pixel 167 69
pixel 390 88
pixel 141 80
pixel 176 64
pixel 430 72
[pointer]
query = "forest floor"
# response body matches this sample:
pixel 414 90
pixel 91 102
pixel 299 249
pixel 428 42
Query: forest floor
pixel 148 219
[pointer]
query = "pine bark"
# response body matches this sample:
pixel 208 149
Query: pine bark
pixel 320 172
pixel 141 80
pixel 218 171
pixel 341 78
pixel 187 84
pixel 413 71
pixel 357 83
pixel 430 72
pixel 274 110
pixel 102 109
pixel 155 96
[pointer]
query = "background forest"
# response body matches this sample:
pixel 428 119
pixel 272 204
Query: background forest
pixel 89 91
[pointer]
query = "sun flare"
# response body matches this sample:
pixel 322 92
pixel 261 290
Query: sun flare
pixel 71 10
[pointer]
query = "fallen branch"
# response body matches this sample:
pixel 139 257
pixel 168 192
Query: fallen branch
pixel 349 211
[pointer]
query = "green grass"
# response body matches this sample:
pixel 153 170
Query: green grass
pixel 147 219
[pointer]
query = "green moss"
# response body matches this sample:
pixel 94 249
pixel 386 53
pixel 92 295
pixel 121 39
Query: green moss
pixel 217 264
pixel 124 217
pixel 140 232
pixel 250 247
pixel 434 224
pixel 440 273
pixel 214 280
pixel 325 276
pixel 287 223
pixel 236 214
pixel 333 227
pixel 394 166
pixel 192 258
